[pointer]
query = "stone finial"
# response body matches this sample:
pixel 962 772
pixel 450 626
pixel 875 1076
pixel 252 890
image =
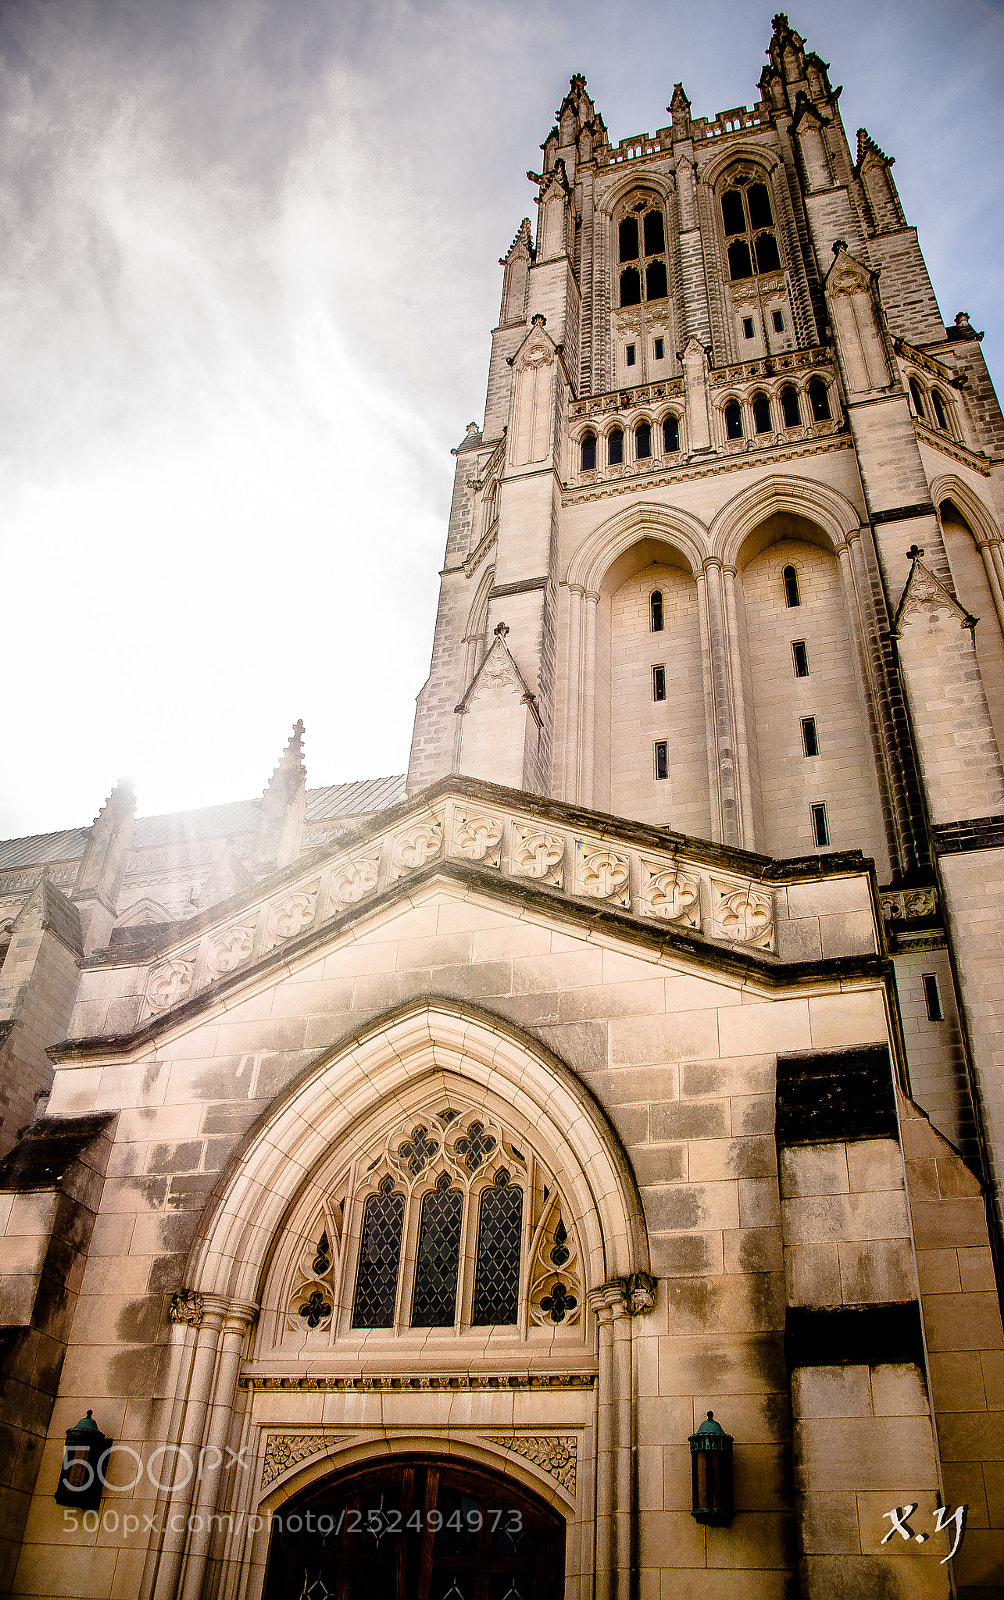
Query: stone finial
pixel 679 109
pixel 109 841
pixel 501 630
pixel 291 769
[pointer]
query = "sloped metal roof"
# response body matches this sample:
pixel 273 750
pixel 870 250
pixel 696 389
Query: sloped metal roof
pixel 206 822
pixel 352 799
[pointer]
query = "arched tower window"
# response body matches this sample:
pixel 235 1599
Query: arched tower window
pixel 761 413
pixel 642 441
pixel 918 399
pixel 733 421
pixel 641 239
pixel 819 400
pixel 749 230
pixel 655 610
pixel 791 594
pixel 588 452
pixel 938 406
pixel 615 447
pixel 671 435
pixel 790 409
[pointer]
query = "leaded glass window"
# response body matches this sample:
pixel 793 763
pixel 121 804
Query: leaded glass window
pixel 496 1276
pixel 379 1258
pixel 435 1303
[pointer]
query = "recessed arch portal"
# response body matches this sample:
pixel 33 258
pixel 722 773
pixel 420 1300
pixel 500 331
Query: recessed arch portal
pixel 281 1165
pixel 416 1527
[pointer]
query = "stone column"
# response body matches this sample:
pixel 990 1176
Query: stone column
pixel 723 730
pixel 572 721
pixel 995 578
pixel 605 1443
pixel 587 700
pixel 236 1321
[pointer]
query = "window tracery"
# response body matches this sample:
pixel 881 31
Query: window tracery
pixel 641 240
pixel 750 229
pixel 448 1223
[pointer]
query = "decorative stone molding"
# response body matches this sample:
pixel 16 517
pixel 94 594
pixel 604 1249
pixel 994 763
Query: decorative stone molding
pixel 602 873
pixel 286 1450
pixel 187 1306
pixel 478 837
pixel 170 982
pixel 452 1381
pixel 670 894
pixel 293 913
pixel 538 854
pixel 555 1453
pixel 229 949
pixel 352 879
pixel 900 905
pixel 744 915
pixel 417 847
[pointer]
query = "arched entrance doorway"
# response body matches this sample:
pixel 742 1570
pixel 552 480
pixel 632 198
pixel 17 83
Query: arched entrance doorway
pixel 416 1528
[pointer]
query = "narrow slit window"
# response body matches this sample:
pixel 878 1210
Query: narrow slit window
pixel 655 610
pixel 801 659
pixel 658 683
pixel 615 448
pixel 820 826
pixel 819 400
pixel 810 742
pixel 747 327
pixel 661 759
pixel 791 594
pixel 932 996
pixel 671 435
pixel 917 398
pixel 939 410
pixel 733 422
pixel 777 318
pixel 790 410
pixel 642 441
pixel 629 355
pixel 435 1303
pixel 659 349
pixel 589 452
pixel 761 413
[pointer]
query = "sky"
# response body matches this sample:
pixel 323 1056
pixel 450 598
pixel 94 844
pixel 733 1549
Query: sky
pixel 248 278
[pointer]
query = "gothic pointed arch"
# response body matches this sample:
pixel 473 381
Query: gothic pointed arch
pixel 831 512
pixel 685 534
pixel 277 1167
pixel 974 511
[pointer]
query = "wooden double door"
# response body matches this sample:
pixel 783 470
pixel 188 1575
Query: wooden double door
pixel 416 1528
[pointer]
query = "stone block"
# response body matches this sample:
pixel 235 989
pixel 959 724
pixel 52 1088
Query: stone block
pixel 814 1169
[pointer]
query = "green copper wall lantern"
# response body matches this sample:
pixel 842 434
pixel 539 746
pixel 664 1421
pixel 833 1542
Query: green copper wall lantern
pixel 81 1478
pixel 711 1464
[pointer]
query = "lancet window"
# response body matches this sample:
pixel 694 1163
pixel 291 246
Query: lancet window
pixel 750 230
pixel 641 250
pixel 450 1223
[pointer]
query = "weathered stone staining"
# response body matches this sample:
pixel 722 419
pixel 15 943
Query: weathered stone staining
pixel 642 1056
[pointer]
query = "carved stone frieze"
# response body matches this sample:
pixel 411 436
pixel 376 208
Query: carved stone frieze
pixel 229 949
pixel 538 854
pixel 293 913
pixel 555 1453
pixel 670 894
pixel 394 1383
pixel 602 873
pixel 286 1450
pixel 418 846
pixel 478 837
pixel 900 905
pixel 170 982
pixel 744 915
pixel 352 879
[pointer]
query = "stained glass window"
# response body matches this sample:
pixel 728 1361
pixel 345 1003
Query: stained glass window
pixel 435 1300
pixel 376 1284
pixel 496 1276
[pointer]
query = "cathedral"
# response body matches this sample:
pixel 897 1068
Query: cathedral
pixel 573 1167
